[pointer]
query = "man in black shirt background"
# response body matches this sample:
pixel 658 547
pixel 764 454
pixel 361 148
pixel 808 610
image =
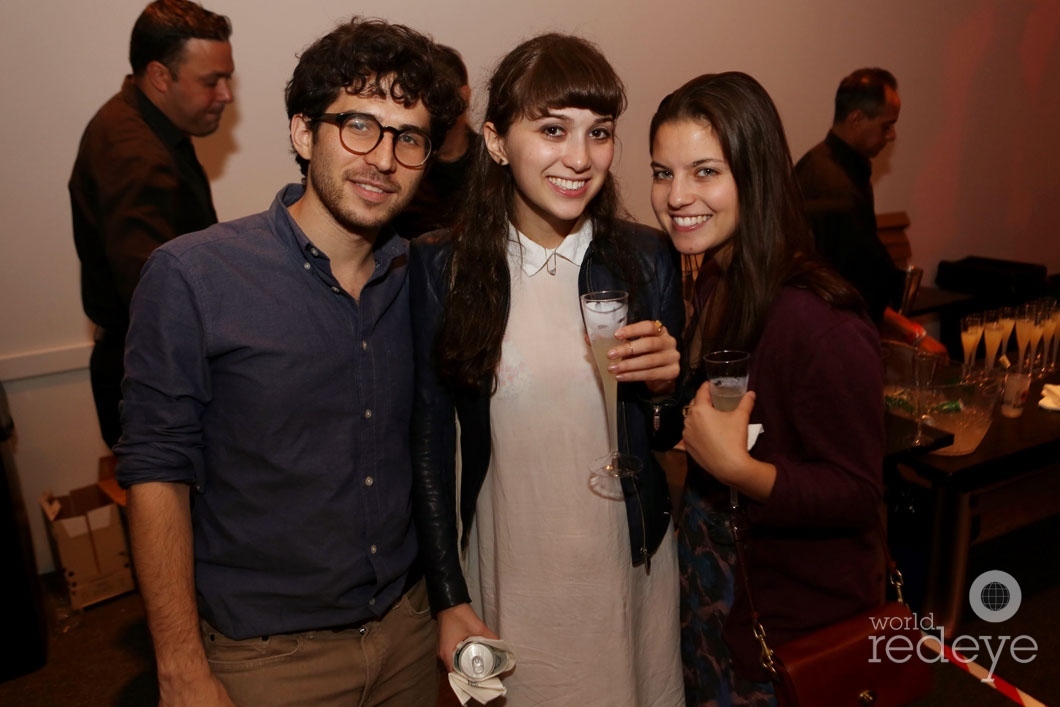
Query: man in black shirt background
pixel 136 182
pixel 835 180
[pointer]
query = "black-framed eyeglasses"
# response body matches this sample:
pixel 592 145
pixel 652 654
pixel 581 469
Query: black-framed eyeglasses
pixel 360 133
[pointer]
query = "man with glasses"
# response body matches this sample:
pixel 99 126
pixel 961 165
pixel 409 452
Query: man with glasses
pixel 137 182
pixel 267 405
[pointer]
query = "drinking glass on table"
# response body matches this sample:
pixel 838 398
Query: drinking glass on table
pixel 1014 393
pixel 1047 306
pixel 971 332
pixel 1007 317
pixel 1037 332
pixel 923 369
pixel 1026 314
pixel 993 331
pixel 604 312
pixel 1054 320
pixel 727 374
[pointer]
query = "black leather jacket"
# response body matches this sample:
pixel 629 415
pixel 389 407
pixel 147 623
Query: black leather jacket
pixel 434 435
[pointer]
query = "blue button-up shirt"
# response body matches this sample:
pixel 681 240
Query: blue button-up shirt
pixel 253 376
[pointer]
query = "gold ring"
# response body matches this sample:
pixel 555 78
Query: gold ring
pixel 658 327
pixel 630 345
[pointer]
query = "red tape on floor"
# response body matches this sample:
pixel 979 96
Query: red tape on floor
pixel 1004 687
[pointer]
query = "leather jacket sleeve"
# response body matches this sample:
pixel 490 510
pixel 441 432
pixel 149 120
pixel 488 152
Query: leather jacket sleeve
pixel 434 489
pixel 658 296
pixel 664 297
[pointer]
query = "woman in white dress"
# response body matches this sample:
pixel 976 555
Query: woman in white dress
pixel 510 414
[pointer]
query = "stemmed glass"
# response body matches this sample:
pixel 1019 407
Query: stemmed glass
pixel 1047 306
pixel 604 312
pixel 1055 321
pixel 923 369
pixel 971 332
pixel 1007 317
pixel 1037 331
pixel 993 330
pixel 1025 316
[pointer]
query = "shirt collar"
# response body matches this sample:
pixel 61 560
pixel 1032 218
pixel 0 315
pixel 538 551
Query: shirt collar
pixel 531 257
pixel 853 161
pixel 162 126
pixel 388 245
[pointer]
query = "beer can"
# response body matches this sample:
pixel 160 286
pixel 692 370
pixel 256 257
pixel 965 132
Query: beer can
pixel 477 660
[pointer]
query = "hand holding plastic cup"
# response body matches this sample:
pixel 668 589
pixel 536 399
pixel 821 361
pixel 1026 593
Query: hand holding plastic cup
pixel 727 373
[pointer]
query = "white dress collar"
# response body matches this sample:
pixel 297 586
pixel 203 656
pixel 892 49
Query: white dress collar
pixel 532 258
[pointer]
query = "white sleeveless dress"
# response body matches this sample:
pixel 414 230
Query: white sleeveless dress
pixel 549 564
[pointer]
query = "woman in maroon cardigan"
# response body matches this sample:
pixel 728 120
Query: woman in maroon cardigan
pixel 810 489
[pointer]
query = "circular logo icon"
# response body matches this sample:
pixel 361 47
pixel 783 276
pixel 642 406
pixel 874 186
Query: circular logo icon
pixel 995 596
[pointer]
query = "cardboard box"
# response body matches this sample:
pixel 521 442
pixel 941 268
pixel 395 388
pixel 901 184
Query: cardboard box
pixel 88 543
pixel 107 482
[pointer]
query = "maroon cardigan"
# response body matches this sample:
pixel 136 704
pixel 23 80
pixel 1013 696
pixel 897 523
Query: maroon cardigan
pixel 814 554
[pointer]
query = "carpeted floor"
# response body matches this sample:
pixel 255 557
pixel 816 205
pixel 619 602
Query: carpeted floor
pixel 102 656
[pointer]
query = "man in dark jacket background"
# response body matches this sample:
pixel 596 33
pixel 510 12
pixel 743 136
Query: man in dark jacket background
pixel 137 182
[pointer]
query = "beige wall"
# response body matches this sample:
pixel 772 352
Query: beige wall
pixel 974 165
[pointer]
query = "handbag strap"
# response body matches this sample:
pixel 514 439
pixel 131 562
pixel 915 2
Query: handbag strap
pixel 768 659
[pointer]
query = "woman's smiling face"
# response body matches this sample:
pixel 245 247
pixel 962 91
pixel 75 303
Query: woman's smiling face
pixel 693 192
pixel 559 163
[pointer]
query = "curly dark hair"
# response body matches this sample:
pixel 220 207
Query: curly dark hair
pixel 547 72
pixel 772 245
pixel 165 26
pixel 376 58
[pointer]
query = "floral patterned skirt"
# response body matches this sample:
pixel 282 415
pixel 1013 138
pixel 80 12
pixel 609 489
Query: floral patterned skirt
pixel 707 561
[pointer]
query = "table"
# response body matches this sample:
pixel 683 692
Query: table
pixel 901 431
pixel 1011 480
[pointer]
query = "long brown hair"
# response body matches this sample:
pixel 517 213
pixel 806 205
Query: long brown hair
pixel 772 245
pixel 547 72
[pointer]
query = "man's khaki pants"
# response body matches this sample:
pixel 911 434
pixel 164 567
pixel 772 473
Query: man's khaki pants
pixel 387 662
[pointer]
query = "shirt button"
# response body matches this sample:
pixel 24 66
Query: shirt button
pixel 336 290
pixel 314 251
pixel 368 414
pixel 307 266
pixel 364 346
pixel 368 481
pixel 374 549
pixel 371 602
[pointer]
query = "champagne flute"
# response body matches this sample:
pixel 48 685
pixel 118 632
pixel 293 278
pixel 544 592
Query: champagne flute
pixel 1048 307
pixel 604 312
pixel 1007 317
pixel 1024 321
pixel 923 369
pixel 1037 332
pixel 971 332
pixel 1055 319
pixel 993 330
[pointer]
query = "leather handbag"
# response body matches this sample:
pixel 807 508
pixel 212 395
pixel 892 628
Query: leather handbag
pixel 846 664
